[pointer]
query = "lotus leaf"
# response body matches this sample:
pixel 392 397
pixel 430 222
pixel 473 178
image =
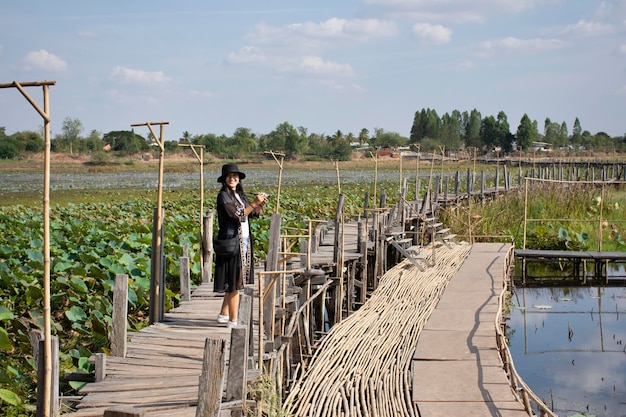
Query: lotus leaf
pixel 5 341
pixel 9 397
pixel 76 314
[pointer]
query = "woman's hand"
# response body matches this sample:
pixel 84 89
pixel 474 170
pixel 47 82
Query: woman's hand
pixel 260 199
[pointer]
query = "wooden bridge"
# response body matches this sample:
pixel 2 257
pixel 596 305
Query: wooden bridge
pixel 385 314
pixel 352 343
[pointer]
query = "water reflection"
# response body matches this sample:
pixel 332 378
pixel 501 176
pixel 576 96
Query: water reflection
pixel 568 344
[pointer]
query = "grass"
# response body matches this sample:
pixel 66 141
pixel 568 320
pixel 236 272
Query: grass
pixel 558 217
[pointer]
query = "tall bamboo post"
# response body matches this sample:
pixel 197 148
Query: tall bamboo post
pixel 200 159
pixel 280 175
pixel 155 292
pixel 375 156
pixel 525 212
pixel 601 214
pixel 417 173
pixel 400 169
pixel 338 178
pixel 45 114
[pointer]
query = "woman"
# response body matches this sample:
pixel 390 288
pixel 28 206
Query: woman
pixel 233 211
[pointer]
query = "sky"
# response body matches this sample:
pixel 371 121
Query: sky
pixel 209 66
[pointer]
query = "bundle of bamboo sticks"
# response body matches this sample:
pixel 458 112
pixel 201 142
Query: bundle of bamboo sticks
pixel 362 367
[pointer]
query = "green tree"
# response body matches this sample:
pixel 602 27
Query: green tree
pixel 242 142
pixel 211 143
pixel 562 136
pixel 551 131
pixel 71 130
pixel 285 138
pixel 577 136
pixel 490 133
pixel 126 142
pixel 8 148
pixel 186 137
pixel 93 142
pixel 505 138
pixel 426 124
pixel 472 124
pixel 363 136
pixel 319 146
pixel 526 133
pixel 28 141
pixel 450 133
pixel 390 139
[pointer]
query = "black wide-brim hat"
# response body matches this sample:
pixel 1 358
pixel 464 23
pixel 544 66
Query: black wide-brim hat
pixel 230 169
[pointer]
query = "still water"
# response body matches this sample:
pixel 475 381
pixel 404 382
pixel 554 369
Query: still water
pixel 569 346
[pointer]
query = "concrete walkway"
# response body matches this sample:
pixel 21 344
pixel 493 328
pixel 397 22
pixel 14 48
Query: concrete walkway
pixel 456 367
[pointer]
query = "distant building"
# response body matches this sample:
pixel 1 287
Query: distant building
pixel 540 146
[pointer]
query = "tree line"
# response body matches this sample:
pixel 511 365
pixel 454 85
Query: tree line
pixel 451 132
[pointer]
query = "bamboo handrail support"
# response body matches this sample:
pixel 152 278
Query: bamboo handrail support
pixel 200 159
pixel 48 408
pixel 280 175
pixel 155 316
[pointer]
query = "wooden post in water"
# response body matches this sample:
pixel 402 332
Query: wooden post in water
pixel 211 383
pixel 157 278
pixel 237 366
pixel 120 316
pixel 52 408
pixel 185 278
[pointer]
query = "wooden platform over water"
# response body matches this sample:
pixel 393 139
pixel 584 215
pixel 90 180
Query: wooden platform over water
pixel 579 260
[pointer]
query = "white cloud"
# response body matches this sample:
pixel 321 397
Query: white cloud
pixel 297 47
pixel 432 34
pixel 247 55
pixel 587 28
pixel 203 94
pixel 511 44
pixel 43 60
pixel 316 65
pixel 449 10
pixel 622 49
pixel 134 76
pixel 322 35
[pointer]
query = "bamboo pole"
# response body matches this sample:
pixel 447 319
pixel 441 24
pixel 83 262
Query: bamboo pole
pixel 200 159
pixel 156 315
pixel 280 175
pixel 45 114
pixel 375 177
pixel 338 179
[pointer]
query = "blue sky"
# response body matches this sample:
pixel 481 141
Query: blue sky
pixel 327 65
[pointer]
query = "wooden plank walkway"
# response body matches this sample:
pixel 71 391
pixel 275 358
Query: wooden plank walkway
pixel 456 366
pixel 160 373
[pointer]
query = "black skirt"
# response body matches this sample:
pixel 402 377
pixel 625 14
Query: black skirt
pixel 228 276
